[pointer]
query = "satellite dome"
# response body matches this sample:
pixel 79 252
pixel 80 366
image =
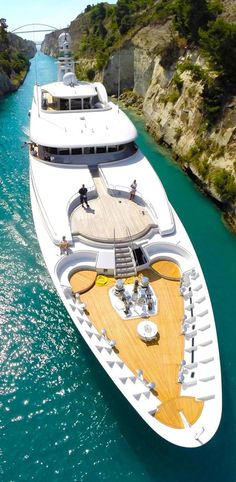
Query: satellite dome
pixel 69 79
pixel 64 40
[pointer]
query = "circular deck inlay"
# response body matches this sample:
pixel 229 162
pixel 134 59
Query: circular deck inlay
pixel 82 281
pixel 167 269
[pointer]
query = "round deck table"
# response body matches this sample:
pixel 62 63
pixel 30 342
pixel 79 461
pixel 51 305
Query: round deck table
pixel 147 330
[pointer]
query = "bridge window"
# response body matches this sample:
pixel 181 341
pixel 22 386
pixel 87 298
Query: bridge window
pixel 86 103
pixel 63 152
pixel 76 151
pixel 51 150
pixel 88 150
pixel 76 104
pixel 101 150
pixel 112 148
pixel 64 104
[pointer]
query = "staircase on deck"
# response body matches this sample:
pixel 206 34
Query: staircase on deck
pixel 125 264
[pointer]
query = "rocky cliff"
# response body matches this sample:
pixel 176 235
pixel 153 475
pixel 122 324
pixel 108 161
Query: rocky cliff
pixel 183 105
pixel 15 53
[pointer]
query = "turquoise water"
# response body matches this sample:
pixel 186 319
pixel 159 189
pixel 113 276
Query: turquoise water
pixel 61 418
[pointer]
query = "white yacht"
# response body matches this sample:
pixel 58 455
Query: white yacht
pixel 126 271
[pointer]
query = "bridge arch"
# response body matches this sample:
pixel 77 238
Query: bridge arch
pixel 49 29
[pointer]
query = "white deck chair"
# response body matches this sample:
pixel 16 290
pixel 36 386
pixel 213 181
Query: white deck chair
pixel 202 313
pixel 205 398
pixel 188 295
pixel 190 320
pixel 194 274
pixel 189 307
pixel 191 334
pixel 205 361
pixel 200 300
pixel 197 287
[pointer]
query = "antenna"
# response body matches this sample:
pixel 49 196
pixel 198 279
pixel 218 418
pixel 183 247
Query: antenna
pixel 36 75
pixel 118 87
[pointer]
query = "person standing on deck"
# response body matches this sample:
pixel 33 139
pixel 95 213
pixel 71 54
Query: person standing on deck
pixel 133 190
pixel 83 195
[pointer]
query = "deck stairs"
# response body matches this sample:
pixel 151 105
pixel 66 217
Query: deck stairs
pixel 125 264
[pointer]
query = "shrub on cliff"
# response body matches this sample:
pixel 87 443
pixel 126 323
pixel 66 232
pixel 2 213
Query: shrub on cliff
pixel 191 15
pixel 169 55
pixel 225 185
pixel 219 43
pixel 213 99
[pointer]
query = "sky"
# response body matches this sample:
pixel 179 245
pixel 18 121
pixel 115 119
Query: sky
pixel 56 13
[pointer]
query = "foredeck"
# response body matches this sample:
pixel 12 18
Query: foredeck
pixel 126 218
pixel 159 359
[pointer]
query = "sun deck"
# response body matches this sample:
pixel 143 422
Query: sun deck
pixel 126 218
pixel 159 359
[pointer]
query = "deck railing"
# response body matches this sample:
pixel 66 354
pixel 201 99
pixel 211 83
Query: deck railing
pixel 46 219
pixel 118 189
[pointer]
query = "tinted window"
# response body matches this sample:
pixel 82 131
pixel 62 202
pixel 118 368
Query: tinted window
pixel 89 150
pixel 76 151
pixel 87 103
pixel 64 104
pixel 76 104
pixel 112 149
pixel 101 150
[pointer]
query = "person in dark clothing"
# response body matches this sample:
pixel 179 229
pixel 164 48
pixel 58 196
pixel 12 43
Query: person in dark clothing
pixel 83 195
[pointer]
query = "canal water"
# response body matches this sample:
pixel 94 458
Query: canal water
pixel 61 418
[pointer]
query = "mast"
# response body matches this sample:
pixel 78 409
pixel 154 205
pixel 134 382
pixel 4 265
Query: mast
pixel 65 61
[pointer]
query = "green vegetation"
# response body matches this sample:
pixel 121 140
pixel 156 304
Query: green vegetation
pixel 12 62
pixel 219 45
pixel 99 34
pixel 224 184
pixel 213 93
pixel 213 99
pixel 178 81
pixel 200 156
pixel 90 73
pixel 170 55
pixel 128 13
pixel 197 21
pixel 106 26
pixel 191 15
pixel 197 72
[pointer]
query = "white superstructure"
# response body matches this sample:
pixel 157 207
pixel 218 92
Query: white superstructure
pixel 79 137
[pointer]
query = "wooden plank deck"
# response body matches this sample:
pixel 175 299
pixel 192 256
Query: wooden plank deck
pixel 169 412
pixel 82 281
pixel 121 213
pixel 160 359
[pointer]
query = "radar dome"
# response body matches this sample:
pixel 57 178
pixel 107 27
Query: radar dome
pixel 64 40
pixel 70 78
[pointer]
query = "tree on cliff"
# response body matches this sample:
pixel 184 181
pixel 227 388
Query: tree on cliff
pixel 191 15
pixel 3 33
pixel 123 15
pixel 219 41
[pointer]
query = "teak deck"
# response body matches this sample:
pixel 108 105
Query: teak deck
pixel 122 214
pixel 82 281
pixel 160 359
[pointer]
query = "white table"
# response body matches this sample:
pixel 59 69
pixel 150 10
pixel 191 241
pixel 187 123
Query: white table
pixel 147 330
